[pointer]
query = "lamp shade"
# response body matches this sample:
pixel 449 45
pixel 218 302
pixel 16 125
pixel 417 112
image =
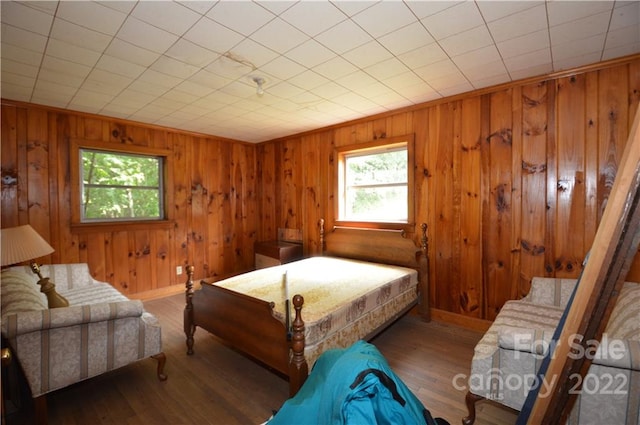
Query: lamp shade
pixel 22 243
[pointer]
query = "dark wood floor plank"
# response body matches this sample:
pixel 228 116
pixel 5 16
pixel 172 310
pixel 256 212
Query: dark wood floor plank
pixel 217 385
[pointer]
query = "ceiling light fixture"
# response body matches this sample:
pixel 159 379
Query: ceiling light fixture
pixel 259 82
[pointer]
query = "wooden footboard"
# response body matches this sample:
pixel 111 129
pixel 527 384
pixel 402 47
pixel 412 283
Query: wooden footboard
pixel 248 324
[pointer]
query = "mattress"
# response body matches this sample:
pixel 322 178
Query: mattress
pixel 344 300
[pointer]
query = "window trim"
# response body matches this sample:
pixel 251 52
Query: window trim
pixel 76 197
pixel 342 151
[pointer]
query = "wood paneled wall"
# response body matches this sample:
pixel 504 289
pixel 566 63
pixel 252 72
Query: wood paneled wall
pixel 512 183
pixel 213 216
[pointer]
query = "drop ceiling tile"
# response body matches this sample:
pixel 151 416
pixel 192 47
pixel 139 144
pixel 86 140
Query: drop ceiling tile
pixel 280 36
pixel 242 16
pixel 312 18
pixel 343 37
pixel 230 68
pixel 188 52
pixel 367 54
pixel 18 80
pixel 21 16
pixel 19 54
pixel 239 89
pixel 79 36
pixel 587 46
pixel 423 56
pixel 131 98
pixel 213 36
pixel 528 21
pixel 437 70
pixel 105 82
pixel 523 44
pixel 384 17
pixel 147 36
pixel 473 59
pixel 487 70
pixel 130 53
pixel 373 90
pixel 566 11
pixel 402 81
pixel 55 100
pixel 17 92
pixel 539 59
pixel 495 10
pixel 173 67
pixel 66 51
pixel 386 69
pixel 335 68
pixel 626 36
pixel 625 50
pixel 308 80
pixel 580 29
pixel 119 66
pixel 277 7
pixel 92 15
pixel 310 53
pixel 283 89
pixel 154 90
pixel 252 53
pixel 125 6
pixel 576 61
pixel 627 14
pixel 330 90
pixel 167 15
pixel 466 41
pixel 53 87
pixel 89 99
pixel 209 79
pixel 356 80
pixel 63 79
pixel 62 66
pixel 193 88
pixel 454 20
pixel 351 8
pixel 43 6
pixel 200 6
pixel 281 68
pixel 121 112
pixel 22 38
pixel 406 39
pixel 422 9
pixel 160 79
pixel 450 90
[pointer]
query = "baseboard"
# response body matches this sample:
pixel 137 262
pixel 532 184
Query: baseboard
pixel 473 323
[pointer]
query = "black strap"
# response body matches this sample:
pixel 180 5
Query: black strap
pixel 386 381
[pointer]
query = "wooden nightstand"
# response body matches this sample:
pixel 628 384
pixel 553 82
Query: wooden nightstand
pixel 274 253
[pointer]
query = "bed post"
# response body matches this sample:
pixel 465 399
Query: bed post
pixel 189 326
pixel 322 247
pixel 423 262
pixel 298 368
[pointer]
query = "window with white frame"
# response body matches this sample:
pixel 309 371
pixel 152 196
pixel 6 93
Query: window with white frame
pixel 375 182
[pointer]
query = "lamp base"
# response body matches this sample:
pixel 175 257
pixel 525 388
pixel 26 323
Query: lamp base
pixel 54 299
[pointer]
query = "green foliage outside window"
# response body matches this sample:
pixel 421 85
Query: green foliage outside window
pixel 118 186
pixel 376 186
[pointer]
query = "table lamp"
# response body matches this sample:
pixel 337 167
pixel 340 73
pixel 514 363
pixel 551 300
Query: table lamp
pixel 23 243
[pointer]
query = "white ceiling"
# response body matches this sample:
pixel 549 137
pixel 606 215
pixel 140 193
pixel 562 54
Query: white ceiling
pixel 190 64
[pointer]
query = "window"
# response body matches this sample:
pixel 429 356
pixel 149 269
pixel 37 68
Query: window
pixel 116 186
pixel 375 182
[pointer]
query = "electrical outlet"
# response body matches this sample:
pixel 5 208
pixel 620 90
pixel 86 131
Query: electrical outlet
pixel 179 270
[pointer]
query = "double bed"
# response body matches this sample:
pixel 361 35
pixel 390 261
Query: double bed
pixel 364 280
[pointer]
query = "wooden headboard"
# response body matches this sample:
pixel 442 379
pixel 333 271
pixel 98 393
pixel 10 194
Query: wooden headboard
pixel 382 246
pixel 377 245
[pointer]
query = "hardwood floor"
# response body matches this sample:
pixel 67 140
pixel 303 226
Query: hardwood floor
pixel 219 386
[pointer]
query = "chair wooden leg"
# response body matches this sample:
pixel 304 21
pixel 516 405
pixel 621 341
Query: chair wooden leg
pixel 470 400
pixel 40 405
pixel 161 358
